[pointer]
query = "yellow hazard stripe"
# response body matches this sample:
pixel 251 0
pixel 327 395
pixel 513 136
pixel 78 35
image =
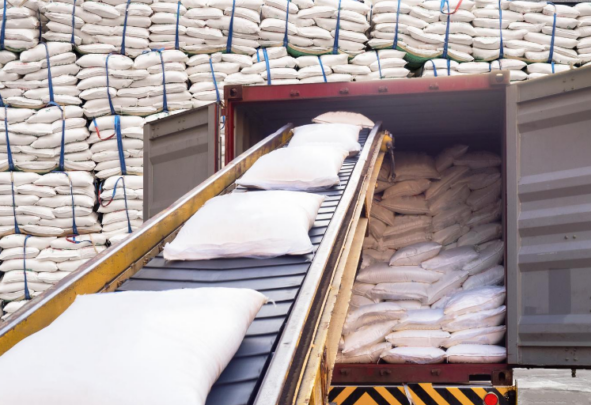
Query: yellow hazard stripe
pixel 434 394
pixel 387 396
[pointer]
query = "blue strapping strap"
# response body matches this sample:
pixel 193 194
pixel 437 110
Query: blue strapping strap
pixel 73 23
pixel 395 43
pixel 122 179
pixel 176 33
pixel 379 64
pixel 215 82
pixel 8 150
pixel 231 29
pixel 63 142
pixel 16 228
pixel 258 57
pixel 27 292
pixel 552 64
pixel 502 50
pixel 434 67
pixel 108 87
pixel 285 36
pixel 446 43
pixel 551 55
pixel 3 28
pixel 40 38
pixel 120 144
pixel 335 47
pixel 370 13
pixel 49 78
pixel 124 28
pixel 1 101
pixel 74 227
pixel 267 65
pixel 164 101
pixel 321 67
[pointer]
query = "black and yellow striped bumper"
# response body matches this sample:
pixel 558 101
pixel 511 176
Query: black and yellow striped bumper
pixel 421 394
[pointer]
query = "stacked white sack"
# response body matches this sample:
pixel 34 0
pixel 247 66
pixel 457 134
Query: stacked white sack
pixel 21 25
pixel 105 145
pixel 377 65
pixel 29 76
pixel 47 128
pixel 168 29
pixel 5 91
pixel 325 68
pixel 221 26
pixel 419 28
pixel 15 258
pixel 26 196
pixel 443 67
pixel 207 86
pixel 584 32
pixel 60 25
pixel 115 26
pixel 121 216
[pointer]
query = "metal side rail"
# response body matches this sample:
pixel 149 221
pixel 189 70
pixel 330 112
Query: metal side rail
pixel 281 279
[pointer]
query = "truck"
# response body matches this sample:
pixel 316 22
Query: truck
pixel 288 355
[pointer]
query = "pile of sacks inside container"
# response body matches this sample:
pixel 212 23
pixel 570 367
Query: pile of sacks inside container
pixel 431 276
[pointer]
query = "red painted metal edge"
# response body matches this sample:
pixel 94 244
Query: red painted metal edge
pixel 243 94
pixel 360 374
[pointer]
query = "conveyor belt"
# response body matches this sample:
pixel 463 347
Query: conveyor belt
pixel 279 279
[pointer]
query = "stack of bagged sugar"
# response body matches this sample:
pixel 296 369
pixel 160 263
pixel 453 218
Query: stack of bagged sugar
pixel 121 202
pixel 584 32
pixel 272 65
pixel 379 64
pixel 222 25
pixel 22 209
pixel 165 88
pixel 325 68
pixel 30 74
pixel 20 25
pixel 461 31
pixel 5 91
pixel 281 16
pixel 168 30
pixel 123 27
pixel 441 67
pixel 61 26
pixel 207 85
pixel 22 275
pixel 8 117
pixel 58 135
pixel 117 145
pixel 444 240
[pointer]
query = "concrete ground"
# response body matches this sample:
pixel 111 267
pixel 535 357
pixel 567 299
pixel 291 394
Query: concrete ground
pixel 552 387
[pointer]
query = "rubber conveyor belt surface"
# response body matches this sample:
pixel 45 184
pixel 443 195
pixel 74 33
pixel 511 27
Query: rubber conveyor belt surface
pixel 279 279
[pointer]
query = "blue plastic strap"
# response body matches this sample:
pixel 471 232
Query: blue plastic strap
pixel 258 57
pixel 129 230
pixel 8 150
pixel 335 47
pixel 551 54
pixel 446 43
pixel 124 28
pixel 1 101
pixel 74 227
pixel 16 228
pixel 267 65
pixel 40 38
pixel 215 82
pixel 285 36
pixel 449 67
pixel 502 50
pixel 434 68
pixel 49 78
pixel 321 67
pixel 164 101
pixel 395 43
pixel 120 144
pixel 231 29
pixel 108 87
pixel 27 293
pixel 63 142
pixel 379 64
pixel 370 13
pixel 3 28
pixel 552 64
pixel 73 23
pixel 176 32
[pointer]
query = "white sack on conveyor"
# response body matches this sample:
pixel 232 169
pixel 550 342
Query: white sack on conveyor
pixel 344 117
pixel 345 136
pixel 296 168
pixel 111 324
pixel 272 213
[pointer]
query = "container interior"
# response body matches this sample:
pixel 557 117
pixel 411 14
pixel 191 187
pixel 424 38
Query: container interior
pixel 418 122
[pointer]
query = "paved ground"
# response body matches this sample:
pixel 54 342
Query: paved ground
pixel 551 387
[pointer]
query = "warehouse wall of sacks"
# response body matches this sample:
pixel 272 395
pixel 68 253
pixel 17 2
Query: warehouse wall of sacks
pixel 79 79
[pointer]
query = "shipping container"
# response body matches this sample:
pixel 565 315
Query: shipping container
pixel 288 357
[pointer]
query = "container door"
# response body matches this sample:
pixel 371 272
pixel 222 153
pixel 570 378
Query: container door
pixel 180 152
pixel 548 237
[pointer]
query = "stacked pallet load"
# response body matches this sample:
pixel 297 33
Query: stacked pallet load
pixel 431 276
pixel 20 26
